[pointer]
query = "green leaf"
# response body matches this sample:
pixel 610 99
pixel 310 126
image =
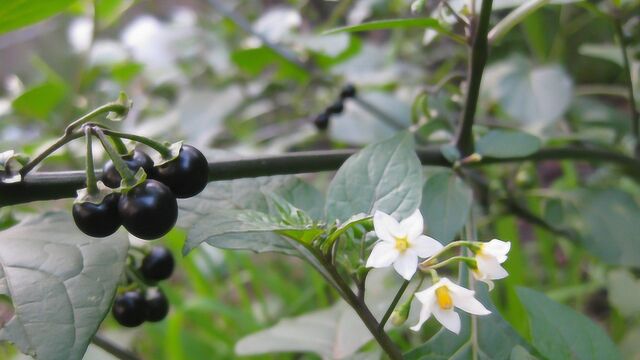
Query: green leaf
pixel 333 333
pixel 608 52
pixel 15 14
pixel 424 23
pixel 40 100
pixel 610 226
pixel 623 291
pixel 250 194
pixel 559 332
pixel 496 339
pixel 385 176
pixel 505 144
pixel 243 230
pixel 534 96
pixel 61 283
pixel 446 201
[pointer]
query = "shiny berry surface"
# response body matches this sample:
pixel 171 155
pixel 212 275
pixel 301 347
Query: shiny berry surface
pixel 157 305
pixel 158 264
pixel 129 309
pixel 321 121
pixel 98 220
pixel 149 210
pixel 348 91
pixel 336 108
pixel 139 159
pixel 187 175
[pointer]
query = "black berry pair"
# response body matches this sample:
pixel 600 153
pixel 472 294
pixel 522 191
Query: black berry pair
pixel 134 307
pixel 321 121
pixel 149 210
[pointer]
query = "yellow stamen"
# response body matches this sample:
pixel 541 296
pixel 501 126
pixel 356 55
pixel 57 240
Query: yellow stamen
pixel 402 244
pixel 444 298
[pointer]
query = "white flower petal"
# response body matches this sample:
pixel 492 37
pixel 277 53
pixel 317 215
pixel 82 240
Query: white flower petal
pixel 382 255
pixel 490 268
pixel 497 248
pixel 386 227
pixel 413 226
pixel 425 246
pixel 456 289
pixel 469 304
pixel 427 297
pixel 406 264
pixel 481 277
pixel 448 318
pixel 425 314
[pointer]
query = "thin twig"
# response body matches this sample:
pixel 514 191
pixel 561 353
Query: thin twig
pixel 477 61
pixel 393 304
pixel 633 107
pixel 244 24
pixel 113 348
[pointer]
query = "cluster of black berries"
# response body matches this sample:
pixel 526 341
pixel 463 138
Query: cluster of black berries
pixel 322 120
pixel 149 209
pixel 134 307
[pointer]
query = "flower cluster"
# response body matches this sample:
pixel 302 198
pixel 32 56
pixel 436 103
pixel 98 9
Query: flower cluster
pixel 401 244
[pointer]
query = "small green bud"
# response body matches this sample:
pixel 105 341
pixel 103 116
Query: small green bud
pixel 400 314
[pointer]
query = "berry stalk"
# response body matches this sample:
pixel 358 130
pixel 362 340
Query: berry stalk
pixel 92 187
pixel 164 151
pixel 127 175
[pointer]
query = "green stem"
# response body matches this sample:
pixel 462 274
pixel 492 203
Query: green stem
pixel 127 175
pixel 164 151
pixel 92 188
pixel 451 260
pixel 48 151
pixel 514 18
pixel 393 304
pixel 121 148
pixel 113 349
pixel 477 61
pixel 107 108
pixel 426 264
pixel 358 305
pixel 633 109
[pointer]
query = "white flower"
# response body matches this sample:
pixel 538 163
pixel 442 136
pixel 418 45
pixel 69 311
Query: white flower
pixel 401 243
pixel 441 298
pixel 488 259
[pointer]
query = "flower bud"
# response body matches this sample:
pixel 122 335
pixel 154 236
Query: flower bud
pixel 400 314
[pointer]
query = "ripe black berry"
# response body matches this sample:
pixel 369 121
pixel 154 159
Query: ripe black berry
pixel 129 309
pixel 139 159
pixel 348 91
pixel 157 305
pixel 98 220
pixel 336 108
pixel 157 264
pixel 186 175
pixel 149 210
pixel 321 121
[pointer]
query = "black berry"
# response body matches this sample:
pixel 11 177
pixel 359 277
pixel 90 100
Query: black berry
pixel 157 264
pixel 321 121
pixel 348 91
pixel 129 309
pixel 98 220
pixel 186 175
pixel 157 305
pixel 139 159
pixel 336 108
pixel 149 210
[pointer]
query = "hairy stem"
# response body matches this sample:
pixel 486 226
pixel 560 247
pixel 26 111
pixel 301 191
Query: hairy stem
pixel 477 61
pixel 363 312
pixel 58 185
